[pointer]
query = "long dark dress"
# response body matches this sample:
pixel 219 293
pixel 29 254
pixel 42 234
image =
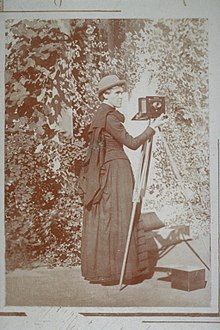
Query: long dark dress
pixel 106 223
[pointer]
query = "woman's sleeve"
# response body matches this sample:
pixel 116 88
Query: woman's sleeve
pixel 117 130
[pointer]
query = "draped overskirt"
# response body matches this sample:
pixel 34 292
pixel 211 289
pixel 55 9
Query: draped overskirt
pixel 105 229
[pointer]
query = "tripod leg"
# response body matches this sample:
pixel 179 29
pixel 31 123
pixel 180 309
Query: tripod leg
pixel 145 180
pixel 140 184
pixel 197 255
pixel 145 168
pixel 127 244
pixel 138 178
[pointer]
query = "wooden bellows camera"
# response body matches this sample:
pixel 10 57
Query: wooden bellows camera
pixel 150 107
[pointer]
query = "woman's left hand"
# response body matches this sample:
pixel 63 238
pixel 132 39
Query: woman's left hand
pixel 159 121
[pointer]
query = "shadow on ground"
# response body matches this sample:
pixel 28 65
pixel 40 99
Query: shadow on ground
pixel 66 287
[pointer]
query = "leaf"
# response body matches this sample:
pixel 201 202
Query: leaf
pixel 42 95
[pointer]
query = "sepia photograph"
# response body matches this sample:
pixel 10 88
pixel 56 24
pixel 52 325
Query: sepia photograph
pixel 79 207
pixel 108 201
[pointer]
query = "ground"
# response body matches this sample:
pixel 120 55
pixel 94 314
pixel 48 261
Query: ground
pixel 66 287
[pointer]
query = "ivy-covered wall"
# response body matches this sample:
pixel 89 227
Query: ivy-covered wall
pixel 51 73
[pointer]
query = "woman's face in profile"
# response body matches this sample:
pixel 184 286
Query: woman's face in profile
pixel 114 96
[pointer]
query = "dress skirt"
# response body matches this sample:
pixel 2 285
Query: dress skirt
pixel 105 229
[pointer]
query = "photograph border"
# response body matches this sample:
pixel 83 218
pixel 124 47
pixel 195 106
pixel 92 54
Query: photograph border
pixel 125 12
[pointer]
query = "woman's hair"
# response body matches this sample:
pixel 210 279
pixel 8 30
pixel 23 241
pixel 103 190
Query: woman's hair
pixel 101 95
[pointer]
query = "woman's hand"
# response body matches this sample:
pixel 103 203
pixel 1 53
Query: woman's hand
pixel 159 121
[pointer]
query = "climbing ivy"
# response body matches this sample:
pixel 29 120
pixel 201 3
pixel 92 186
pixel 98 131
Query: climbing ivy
pixel 51 74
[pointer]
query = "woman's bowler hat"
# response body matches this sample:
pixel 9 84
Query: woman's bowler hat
pixel 109 82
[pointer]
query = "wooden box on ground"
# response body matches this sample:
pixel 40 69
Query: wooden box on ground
pixel 188 278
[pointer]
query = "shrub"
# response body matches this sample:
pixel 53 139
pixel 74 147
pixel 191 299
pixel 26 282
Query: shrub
pixel 52 70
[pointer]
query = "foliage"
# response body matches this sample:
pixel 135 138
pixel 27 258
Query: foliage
pixel 176 54
pixel 52 70
pixel 50 67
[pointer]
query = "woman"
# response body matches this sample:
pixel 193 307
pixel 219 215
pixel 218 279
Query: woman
pixel 108 194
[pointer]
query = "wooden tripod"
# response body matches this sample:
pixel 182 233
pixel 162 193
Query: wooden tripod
pixel 140 189
pixel 138 194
